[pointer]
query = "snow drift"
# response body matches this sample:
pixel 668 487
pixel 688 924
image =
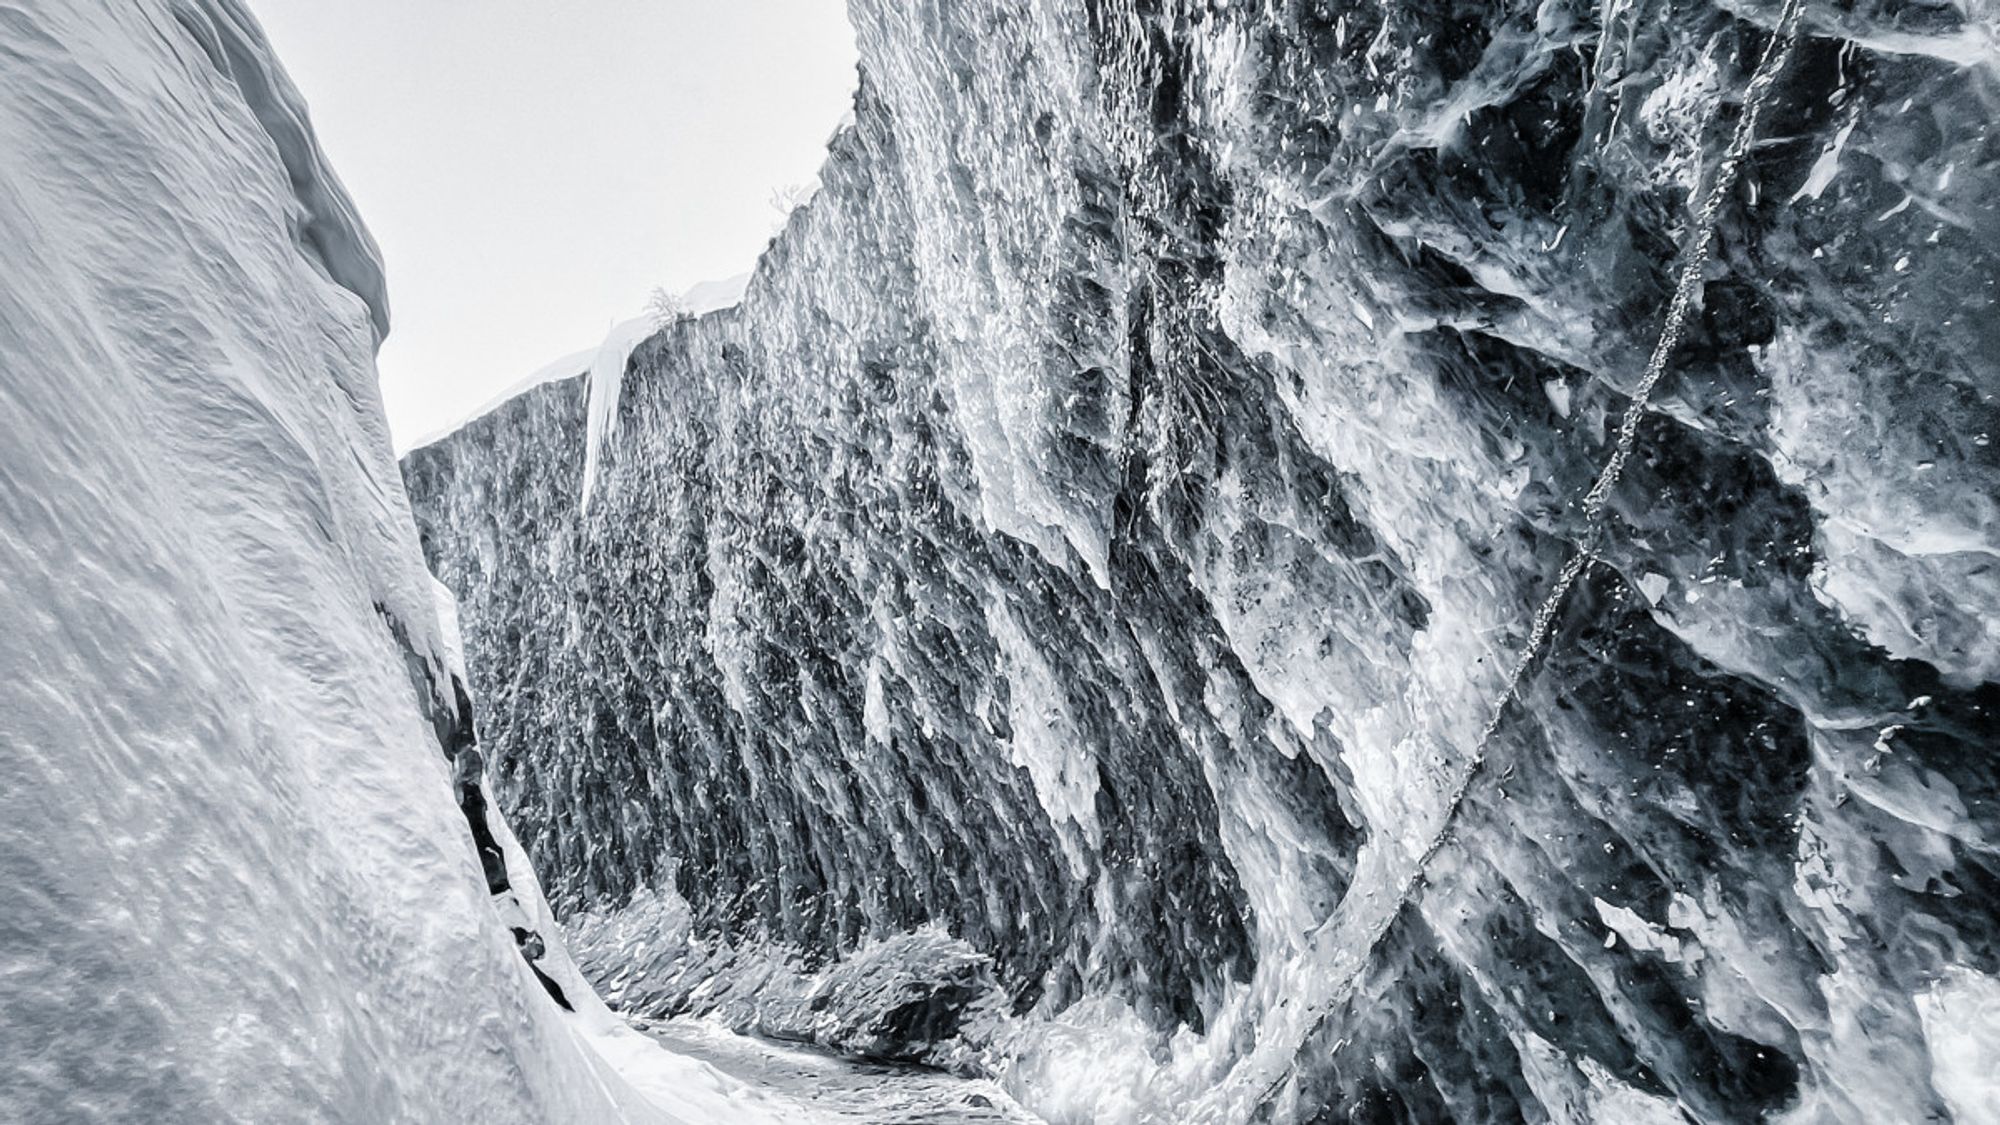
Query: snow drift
pixel 239 888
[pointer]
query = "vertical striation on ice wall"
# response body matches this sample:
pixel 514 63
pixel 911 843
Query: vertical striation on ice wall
pixel 1039 629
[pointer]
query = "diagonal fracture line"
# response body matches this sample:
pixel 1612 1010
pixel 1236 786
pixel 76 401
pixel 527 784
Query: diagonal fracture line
pixel 1777 56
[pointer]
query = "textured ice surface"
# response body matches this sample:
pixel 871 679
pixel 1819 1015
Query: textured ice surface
pixel 238 888
pixel 1095 539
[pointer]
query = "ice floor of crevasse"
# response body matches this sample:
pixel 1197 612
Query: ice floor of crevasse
pixel 834 1088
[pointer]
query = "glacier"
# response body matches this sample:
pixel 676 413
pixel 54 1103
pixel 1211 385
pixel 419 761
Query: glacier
pixel 1237 561
pixel 251 868
pixel 1048 629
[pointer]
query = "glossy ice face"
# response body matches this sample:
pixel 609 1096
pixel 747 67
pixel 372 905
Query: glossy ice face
pixel 1102 529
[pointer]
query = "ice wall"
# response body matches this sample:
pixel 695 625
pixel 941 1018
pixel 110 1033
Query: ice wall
pixel 1103 526
pixel 238 888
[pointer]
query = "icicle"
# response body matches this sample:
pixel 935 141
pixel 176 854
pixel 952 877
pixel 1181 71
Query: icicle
pixel 607 382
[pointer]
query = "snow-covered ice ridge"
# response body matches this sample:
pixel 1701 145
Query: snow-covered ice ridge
pixel 1036 631
pixel 238 886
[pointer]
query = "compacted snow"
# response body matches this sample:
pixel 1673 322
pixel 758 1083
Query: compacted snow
pixel 238 886
pixel 840 1090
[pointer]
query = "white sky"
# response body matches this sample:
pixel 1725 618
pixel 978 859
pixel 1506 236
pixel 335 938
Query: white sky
pixel 534 168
